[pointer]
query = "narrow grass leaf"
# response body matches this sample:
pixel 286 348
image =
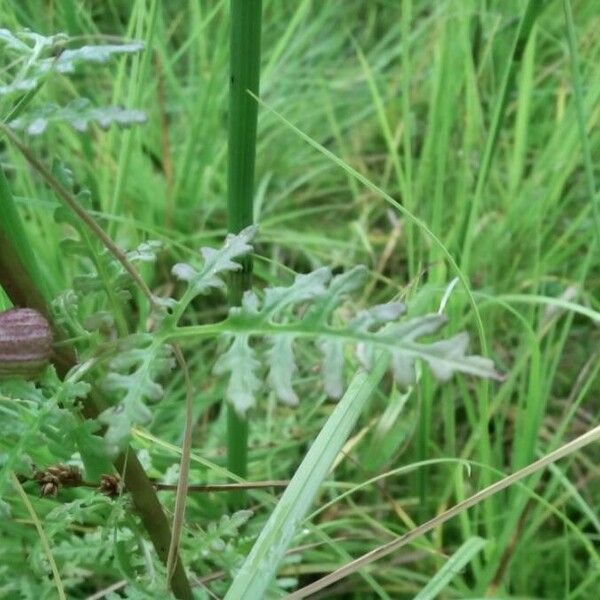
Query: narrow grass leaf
pixel 565 450
pixel 399 207
pixel 453 566
pixel 60 588
pixel 260 565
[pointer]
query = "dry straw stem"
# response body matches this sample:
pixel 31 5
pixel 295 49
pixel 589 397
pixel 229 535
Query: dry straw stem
pixel 184 466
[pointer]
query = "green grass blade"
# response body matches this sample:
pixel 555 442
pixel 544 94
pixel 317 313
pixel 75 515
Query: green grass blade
pixel 421 225
pixel 15 247
pixel 581 118
pixel 532 11
pixel 25 274
pixel 565 450
pixel 260 565
pixel 58 582
pixel 453 566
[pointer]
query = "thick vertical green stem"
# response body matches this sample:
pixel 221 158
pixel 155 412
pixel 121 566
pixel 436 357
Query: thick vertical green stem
pixel 243 110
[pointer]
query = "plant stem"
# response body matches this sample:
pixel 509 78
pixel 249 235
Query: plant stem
pixel 18 267
pixel 243 112
pixel 43 537
pixel 202 488
pixel 18 272
pixel 72 203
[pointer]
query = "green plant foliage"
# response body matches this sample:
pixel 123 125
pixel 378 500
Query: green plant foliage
pixel 34 55
pixel 241 363
pixel 79 114
pixel 139 361
pixel 33 58
pixel 454 565
pixel 41 426
pixel 221 535
pixel 307 309
pixel 282 316
pixel 100 285
pixel 215 264
pixel 254 578
pixel 425 140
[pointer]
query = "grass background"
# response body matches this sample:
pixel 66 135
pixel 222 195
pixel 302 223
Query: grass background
pixel 404 92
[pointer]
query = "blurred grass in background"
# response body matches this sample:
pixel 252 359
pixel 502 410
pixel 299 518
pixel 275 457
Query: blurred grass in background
pixel 404 92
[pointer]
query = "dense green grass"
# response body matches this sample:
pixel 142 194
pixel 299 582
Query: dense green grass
pixel 407 94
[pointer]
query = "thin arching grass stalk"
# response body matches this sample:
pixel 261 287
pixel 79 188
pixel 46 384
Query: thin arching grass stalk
pixel 184 470
pixel 243 111
pixel 418 223
pixel 81 213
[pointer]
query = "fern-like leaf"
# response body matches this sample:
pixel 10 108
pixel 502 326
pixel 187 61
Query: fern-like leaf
pixel 240 361
pixel 79 114
pixel 68 60
pixel 216 263
pixel 133 379
pixel 34 56
pixel 308 309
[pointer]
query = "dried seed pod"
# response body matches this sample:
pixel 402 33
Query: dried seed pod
pixel 25 343
pixel 110 485
pixel 57 476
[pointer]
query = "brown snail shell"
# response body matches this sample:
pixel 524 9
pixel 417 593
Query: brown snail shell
pixel 25 343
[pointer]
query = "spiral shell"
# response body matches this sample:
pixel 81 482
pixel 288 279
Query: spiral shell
pixel 25 343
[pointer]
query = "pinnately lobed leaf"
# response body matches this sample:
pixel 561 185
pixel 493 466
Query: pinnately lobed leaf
pixel 132 379
pixel 44 55
pixel 25 343
pixel 79 114
pixel 216 262
pixel 306 310
pixel 240 360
